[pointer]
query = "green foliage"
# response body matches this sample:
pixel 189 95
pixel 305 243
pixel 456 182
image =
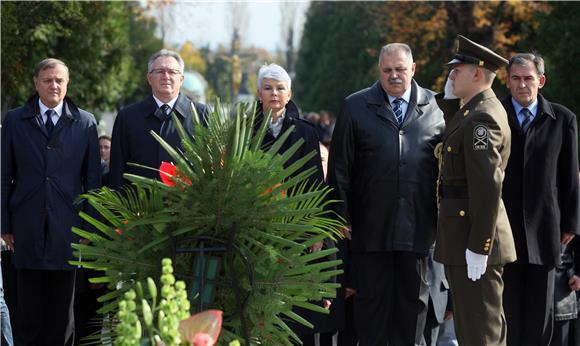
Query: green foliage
pixel 227 189
pixel 337 54
pixel 559 43
pixel 97 40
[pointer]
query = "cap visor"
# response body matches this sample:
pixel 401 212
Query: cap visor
pixel 456 62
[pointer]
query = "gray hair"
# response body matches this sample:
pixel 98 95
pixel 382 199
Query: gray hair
pixel 275 72
pixel 396 47
pixel 487 75
pixel 166 53
pixel 49 63
pixel 525 58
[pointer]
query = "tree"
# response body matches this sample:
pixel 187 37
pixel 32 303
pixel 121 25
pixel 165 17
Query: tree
pixel 101 44
pixel 337 54
pixel 287 28
pixel 192 58
pixel 341 41
pixel 142 44
pixel 558 41
pixel 423 28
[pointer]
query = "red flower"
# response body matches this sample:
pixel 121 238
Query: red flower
pixel 169 174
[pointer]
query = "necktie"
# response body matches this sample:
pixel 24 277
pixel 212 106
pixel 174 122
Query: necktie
pixel 397 109
pixel 49 124
pixel 164 112
pixel 527 119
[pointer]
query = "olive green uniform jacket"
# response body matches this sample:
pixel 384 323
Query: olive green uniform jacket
pixel 475 152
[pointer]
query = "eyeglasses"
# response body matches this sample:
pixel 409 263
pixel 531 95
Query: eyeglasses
pixel 162 71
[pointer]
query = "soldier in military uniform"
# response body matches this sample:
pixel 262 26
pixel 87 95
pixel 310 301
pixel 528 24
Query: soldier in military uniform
pixel 474 238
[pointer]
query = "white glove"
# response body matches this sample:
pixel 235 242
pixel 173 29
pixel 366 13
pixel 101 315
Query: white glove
pixel 476 264
pixel 449 90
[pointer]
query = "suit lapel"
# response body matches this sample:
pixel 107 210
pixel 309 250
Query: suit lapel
pixel 375 98
pixel 417 100
pixel 34 115
pixel 64 121
pixel 38 123
pixel 512 118
pixel 183 106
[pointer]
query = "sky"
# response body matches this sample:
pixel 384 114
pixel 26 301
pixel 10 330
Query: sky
pixel 205 22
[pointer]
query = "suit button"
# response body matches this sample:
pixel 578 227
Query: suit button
pixel 47 178
pixel 48 147
pixel 462 213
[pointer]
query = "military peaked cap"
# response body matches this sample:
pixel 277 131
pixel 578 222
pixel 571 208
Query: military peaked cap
pixel 469 52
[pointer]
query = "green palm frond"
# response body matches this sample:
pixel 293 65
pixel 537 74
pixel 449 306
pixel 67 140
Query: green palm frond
pixel 241 198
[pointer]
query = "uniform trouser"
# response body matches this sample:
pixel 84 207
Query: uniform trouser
pixel 528 301
pixel 45 307
pixel 390 305
pixel 477 306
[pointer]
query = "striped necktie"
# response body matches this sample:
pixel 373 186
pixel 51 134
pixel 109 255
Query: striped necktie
pixel 527 119
pixel 397 109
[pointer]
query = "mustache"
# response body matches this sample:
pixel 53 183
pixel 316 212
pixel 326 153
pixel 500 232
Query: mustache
pixel 396 81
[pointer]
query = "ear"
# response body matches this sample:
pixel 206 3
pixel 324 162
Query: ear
pixel 289 94
pixel 413 66
pixel 478 74
pixel 542 81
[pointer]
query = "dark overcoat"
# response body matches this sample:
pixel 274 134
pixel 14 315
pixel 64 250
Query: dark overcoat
pixel 42 177
pixel 302 130
pixel 384 174
pixel 540 191
pixel 132 141
pixel 306 131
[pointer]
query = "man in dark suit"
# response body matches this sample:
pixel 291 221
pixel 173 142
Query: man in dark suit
pixel 132 141
pixel 474 239
pixel 541 197
pixel 50 155
pixel 382 168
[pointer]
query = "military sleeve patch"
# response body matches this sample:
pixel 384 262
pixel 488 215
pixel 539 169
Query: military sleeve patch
pixel 480 137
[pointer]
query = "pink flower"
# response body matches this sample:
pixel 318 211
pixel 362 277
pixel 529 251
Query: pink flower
pixel 203 339
pixel 202 328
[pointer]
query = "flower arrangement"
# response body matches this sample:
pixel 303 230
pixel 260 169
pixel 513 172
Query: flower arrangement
pixel 237 234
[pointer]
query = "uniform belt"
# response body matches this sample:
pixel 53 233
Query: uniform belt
pixel 455 192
